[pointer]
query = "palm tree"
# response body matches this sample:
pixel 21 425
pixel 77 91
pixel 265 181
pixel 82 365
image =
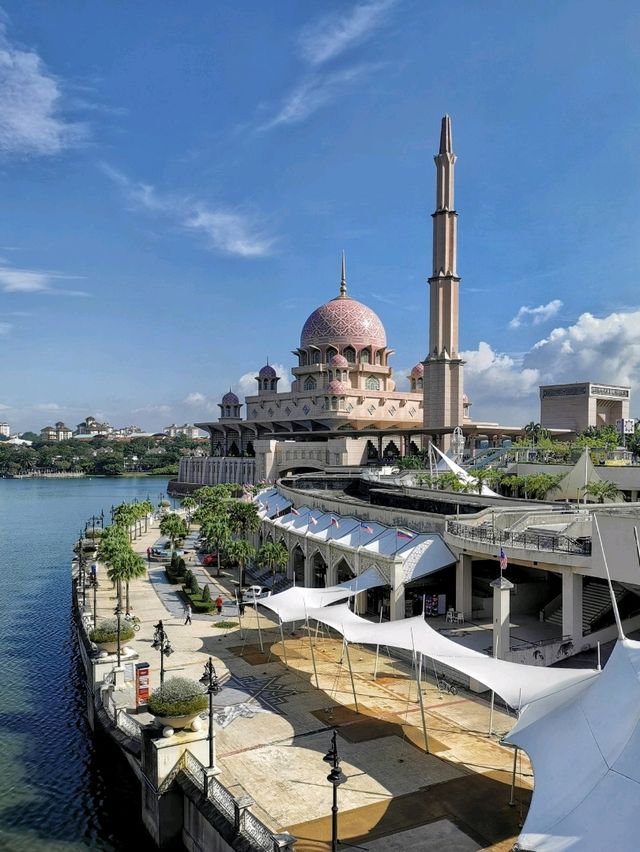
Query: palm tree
pixel 189 503
pixel 601 490
pixel 125 565
pixel 273 556
pixel 174 527
pixel 534 431
pixel 214 529
pixel 244 518
pixel 449 481
pixel 241 552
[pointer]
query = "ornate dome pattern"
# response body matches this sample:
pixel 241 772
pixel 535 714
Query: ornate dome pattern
pixel 339 361
pixel 418 371
pixel 343 321
pixel 230 399
pixel 336 387
pixel 267 372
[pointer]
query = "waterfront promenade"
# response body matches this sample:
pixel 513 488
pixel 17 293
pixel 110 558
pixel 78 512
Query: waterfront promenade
pixel 274 726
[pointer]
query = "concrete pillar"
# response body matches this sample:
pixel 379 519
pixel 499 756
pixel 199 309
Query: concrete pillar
pixel 396 597
pixel 464 574
pixel 501 612
pixel 572 605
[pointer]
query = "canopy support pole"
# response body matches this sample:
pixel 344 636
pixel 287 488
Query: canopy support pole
pixel 353 686
pixel 375 668
pixel 255 606
pixel 239 616
pixel 421 700
pixel 599 666
pixel 284 647
pixel 512 799
pixel 493 694
pixel 313 656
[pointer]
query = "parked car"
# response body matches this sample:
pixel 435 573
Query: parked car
pixel 254 593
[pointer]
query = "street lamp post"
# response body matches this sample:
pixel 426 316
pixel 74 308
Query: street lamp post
pixel 118 614
pixel 210 680
pixel 336 777
pixel 161 643
pixel 81 576
pixel 96 586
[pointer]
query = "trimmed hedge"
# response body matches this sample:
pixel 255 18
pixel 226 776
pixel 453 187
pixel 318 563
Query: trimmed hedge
pixel 197 604
pixel 178 696
pixel 107 631
pixel 172 577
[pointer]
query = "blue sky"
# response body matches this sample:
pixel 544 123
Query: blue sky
pixel 177 182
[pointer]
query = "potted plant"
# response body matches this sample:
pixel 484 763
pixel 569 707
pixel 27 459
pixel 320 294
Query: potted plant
pixel 178 702
pixel 105 634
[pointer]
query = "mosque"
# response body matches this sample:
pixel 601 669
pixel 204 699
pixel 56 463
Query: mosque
pixel 343 409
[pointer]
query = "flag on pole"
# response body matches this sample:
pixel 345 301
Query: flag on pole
pixel 503 559
pixel 402 534
pixel 266 507
pixel 294 511
pixel 313 520
pixel 366 528
pixel 334 523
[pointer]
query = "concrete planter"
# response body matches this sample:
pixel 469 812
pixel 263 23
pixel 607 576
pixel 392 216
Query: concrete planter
pixel 178 723
pixel 109 647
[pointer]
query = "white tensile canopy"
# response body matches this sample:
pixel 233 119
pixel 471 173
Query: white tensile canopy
pixel 584 745
pixel 572 485
pixel 446 463
pixel 518 684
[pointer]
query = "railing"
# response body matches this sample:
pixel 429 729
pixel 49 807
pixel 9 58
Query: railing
pixel 526 540
pixel 128 724
pixel 235 810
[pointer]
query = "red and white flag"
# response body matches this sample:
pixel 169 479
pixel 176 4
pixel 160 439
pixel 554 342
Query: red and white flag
pixel 294 511
pixel 313 520
pixel 334 523
pixel 403 534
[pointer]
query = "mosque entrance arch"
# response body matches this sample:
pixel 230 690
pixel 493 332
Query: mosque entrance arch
pixel 318 571
pixel 344 571
pixel 298 565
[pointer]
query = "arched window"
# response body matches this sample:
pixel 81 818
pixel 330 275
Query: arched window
pixel 365 356
pixel 350 354
pixel 419 384
pixel 274 384
pixel 372 383
pixel 331 351
pixel 316 357
pixel 334 403
pixel 303 359
pixel 309 383
pixel 379 357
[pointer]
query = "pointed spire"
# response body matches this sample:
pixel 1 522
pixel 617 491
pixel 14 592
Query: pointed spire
pixel 343 279
pixel 446 145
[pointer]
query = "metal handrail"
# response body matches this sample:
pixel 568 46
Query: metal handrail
pixel 526 540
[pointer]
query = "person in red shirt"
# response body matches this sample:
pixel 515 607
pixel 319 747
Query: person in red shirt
pixel 219 604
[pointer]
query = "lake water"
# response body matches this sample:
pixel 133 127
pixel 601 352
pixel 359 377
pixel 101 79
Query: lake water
pixel 59 788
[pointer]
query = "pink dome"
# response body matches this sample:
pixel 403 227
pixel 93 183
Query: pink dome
pixel 339 361
pixel 418 371
pixel 267 372
pixel 343 321
pixel 230 399
pixel 336 387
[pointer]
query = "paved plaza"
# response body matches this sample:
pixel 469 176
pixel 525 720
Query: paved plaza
pixel 273 726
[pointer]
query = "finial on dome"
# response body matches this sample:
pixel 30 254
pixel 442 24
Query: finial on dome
pixel 343 279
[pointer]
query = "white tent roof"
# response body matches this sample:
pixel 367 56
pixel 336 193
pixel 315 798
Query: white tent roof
pixel 571 486
pixel 518 684
pixel 461 473
pixel 584 745
pixel 369 579
pixel 293 603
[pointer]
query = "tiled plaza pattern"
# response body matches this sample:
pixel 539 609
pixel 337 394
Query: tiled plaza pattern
pixel 274 727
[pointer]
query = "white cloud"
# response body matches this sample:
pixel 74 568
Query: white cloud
pixel 48 406
pixel 323 40
pixel 316 91
pixel 5 328
pixel 15 280
pixel 227 230
pixel 31 118
pixel 195 398
pixel 247 385
pixel 4 407
pixel 537 315
pixel 153 409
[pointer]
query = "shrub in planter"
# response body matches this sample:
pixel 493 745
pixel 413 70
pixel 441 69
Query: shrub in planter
pixel 174 560
pixel 171 575
pixel 106 631
pixel 206 594
pixel 182 566
pixel 197 604
pixel 178 696
pixel 195 588
pixel 188 577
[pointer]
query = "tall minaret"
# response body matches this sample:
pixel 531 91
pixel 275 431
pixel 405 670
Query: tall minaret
pixel 443 367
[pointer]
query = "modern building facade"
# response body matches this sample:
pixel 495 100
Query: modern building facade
pixel 57 432
pixel 579 405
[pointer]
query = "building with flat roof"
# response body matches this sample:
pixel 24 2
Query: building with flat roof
pixel 579 405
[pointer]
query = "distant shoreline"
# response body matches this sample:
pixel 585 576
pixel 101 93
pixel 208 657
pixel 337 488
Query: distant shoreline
pixel 69 475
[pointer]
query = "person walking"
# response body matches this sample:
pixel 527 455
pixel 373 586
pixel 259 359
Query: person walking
pixel 187 614
pixel 219 604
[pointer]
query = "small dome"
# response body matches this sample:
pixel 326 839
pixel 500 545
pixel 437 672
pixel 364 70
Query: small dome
pixel 336 387
pixel 230 399
pixel 267 372
pixel 418 371
pixel 339 361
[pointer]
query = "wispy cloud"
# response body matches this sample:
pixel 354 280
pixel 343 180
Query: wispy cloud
pixel 32 121
pixel 153 409
pixel 36 281
pixel 323 40
pixel 48 406
pixel 227 230
pixel 316 91
pixel 5 328
pixel 535 316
